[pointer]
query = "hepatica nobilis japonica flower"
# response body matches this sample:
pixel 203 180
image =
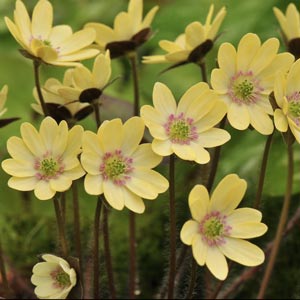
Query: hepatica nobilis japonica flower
pixel 119 167
pixel 45 161
pixel 218 228
pixel 187 128
pixel 287 96
pixel 56 45
pixel 245 79
pixel 193 44
pixel 129 32
pixel 53 278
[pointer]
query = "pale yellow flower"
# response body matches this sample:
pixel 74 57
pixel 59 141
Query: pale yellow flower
pixel 53 278
pixel 56 45
pixel 3 96
pixel 187 128
pixel 245 79
pixel 119 167
pixel 45 161
pixel 88 85
pixel 290 27
pixel 59 107
pixel 193 45
pixel 218 227
pixel 129 32
pixel 287 96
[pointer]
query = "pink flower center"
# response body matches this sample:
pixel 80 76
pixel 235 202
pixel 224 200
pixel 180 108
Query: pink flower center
pixel 181 129
pixel 213 227
pixel 48 167
pixel 294 107
pixel 244 88
pixel 116 167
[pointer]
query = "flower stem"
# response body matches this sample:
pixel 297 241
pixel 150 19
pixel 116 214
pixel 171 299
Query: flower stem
pixel 2 270
pixel 132 224
pixel 172 259
pixel 262 174
pixel 61 228
pixel 36 66
pixel 203 71
pixel 96 247
pixel 107 255
pixel 192 280
pixel 281 225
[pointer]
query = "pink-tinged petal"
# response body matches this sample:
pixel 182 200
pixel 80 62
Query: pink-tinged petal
pixel 93 184
pixel 18 168
pixel 199 250
pixel 227 59
pixel 18 150
pixel 260 121
pixel 213 137
pixel 60 184
pixel 163 100
pixel 216 263
pixel 77 41
pixel 32 140
pixel 23 183
pixel 133 202
pixel 58 34
pixel 111 128
pixel 104 34
pixel 228 194
pixel 42 19
pixel 199 202
pixel 114 194
pixel 145 157
pixel 188 231
pixel 133 131
pixel 163 148
pixel 238 116
pixel 147 183
pixel 247 48
pixel 242 252
pixel 185 152
pixel 247 230
pixel 191 96
pixel 220 81
pixel 43 191
pixel 244 215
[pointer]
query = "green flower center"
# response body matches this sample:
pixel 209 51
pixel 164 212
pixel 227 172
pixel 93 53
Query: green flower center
pixel 47 43
pixel 48 167
pixel 180 129
pixel 213 228
pixel 116 167
pixel 244 90
pixel 61 278
pixel 294 108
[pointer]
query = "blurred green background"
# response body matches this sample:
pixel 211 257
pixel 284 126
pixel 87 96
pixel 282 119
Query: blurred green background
pixel 27 225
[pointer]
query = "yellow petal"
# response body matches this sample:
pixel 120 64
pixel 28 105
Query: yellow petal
pixel 48 132
pixel 42 18
pixel 293 21
pixel 293 78
pixel 135 10
pixel 185 152
pixel 124 27
pixel 247 230
pixel 134 202
pixel 102 70
pixel 17 35
pixel 91 162
pixel 199 250
pixel 280 120
pixel 93 184
pixel 152 116
pixel 60 184
pixel 154 59
pixel 213 137
pixel 23 184
pixel 188 231
pixel 248 47
pixel 216 263
pixel 260 121
pixel 83 78
pixel 23 22
pixel 114 194
pixel 91 143
pixel 43 191
pixel 104 34
pixel 228 194
pixel 202 155
pixel 163 148
pixel 163 100
pixel 18 150
pixel 195 35
pixel 179 56
pixel 17 168
pixel 282 21
pixel 47 54
pixel 220 81
pixel 145 157
pixel 242 252
pixel 113 128
pixel 295 130
pixel 46 290
pixel 74 141
pixel 169 46
pixel 58 34
pixel 227 59
pixel 244 215
pixel 238 116
pixel 212 33
pixel 149 17
pixel 198 202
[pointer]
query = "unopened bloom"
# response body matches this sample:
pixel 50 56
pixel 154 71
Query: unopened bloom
pixel 187 128
pixel 53 45
pixel 290 28
pixel 53 278
pixel 218 228
pixel 119 167
pixel 87 85
pixel 193 45
pixel 287 96
pixel 45 161
pixel 129 32
pixel 245 79
pixel 3 96
pixel 60 107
